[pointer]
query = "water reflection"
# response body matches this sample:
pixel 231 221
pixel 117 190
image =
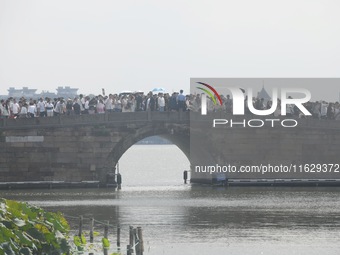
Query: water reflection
pixel 239 219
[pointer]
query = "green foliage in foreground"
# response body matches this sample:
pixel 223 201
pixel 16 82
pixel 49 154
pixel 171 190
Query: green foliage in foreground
pixel 79 242
pixel 106 243
pixel 29 230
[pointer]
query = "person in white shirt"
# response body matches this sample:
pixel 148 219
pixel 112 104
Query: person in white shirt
pixel 161 102
pixel 49 108
pixel 81 102
pixel 41 107
pixel 124 104
pixel 23 111
pixel 117 103
pixel 109 103
pixel 32 109
pixel 59 108
pixel 15 109
pixel 86 105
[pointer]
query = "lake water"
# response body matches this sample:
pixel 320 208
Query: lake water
pixel 200 220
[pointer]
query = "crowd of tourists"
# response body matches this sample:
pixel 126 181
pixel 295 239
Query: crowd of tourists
pixel 124 102
pixel 139 101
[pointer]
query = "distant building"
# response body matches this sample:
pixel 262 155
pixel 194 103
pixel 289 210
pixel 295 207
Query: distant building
pixel 263 94
pixel 25 91
pixel 12 92
pixel 66 92
pixel 48 94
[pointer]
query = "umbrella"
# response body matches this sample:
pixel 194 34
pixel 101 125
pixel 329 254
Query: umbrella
pixel 158 90
pixel 125 93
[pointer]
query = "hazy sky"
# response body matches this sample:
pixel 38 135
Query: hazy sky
pixel 140 45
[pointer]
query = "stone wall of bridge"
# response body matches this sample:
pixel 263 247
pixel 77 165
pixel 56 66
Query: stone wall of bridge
pixel 87 147
pixel 78 148
pixel 312 141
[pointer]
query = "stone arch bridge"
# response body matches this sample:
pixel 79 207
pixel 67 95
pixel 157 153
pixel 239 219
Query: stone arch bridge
pixel 86 148
pixel 80 148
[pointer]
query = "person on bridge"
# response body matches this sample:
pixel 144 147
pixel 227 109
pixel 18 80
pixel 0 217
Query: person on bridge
pixel 100 108
pixel 49 108
pixel 23 110
pixel 76 107
pixel 173 105
pixel 32 109
pixel 4 109
pixel 108 101
pixel 41 107
pixel 161 102
pixel 181 101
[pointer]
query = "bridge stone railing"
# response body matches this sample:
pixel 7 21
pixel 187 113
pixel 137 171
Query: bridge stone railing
pixel 122 118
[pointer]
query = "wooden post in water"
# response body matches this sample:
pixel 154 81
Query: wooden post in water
pixel 185 176
pixel 119 181
pixel 118 237
pixel 141 241
pixel 91 230
pixel 137 244
pixel 131 238
pixel 91 233
pixel 80 225
pixel 128 249
pixel 106 234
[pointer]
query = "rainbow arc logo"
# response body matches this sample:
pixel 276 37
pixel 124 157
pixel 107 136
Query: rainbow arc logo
pixel 209 93
pixel 212 93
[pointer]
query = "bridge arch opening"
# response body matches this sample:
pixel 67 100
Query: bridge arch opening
pixel 178 135
pixel 153 162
